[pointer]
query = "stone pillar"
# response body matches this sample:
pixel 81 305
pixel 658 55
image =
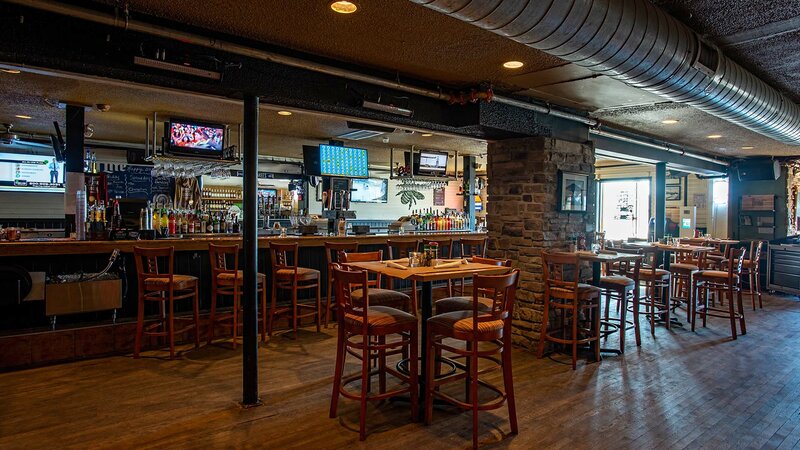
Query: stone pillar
pixel 523 219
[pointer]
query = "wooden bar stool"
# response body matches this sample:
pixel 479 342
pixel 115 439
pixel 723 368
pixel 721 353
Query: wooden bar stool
pixel 469 247
pixel 400 249
pixel 582 301
pixel 654 304
pixel 363 328
pixel 750 271
pixel 723 283
pixel 481 327
pixel 288 276
pixel 681 271
pixel 165 288
pixel 332 250
pixel 621 285
pixel 229 282
pixel 464 303
pixel 378 296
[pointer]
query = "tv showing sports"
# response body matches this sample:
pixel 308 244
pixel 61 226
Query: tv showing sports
pixel 430 163
pixel 195 138
pixel 335 161
pixel 31 173
pixel 370 190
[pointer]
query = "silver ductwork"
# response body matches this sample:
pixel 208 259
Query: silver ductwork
pixel 642 46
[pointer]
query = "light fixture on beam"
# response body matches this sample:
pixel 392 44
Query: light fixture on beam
pixel 390 109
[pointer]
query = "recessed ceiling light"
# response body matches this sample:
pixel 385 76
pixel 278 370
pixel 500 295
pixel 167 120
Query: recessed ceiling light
pixel 714 136
pixel 14 71
pixel 513 64
pixel 22 116
pixel 426 134
pixel 344 7
pixel 747 147
pixel 669 121
pixel 284 113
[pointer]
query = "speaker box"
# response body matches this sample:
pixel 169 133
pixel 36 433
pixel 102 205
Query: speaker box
pixel 759 170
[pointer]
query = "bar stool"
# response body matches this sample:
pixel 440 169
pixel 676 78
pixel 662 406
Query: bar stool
pixel 621 284
pixel 164 288
pixel 721 282
pixel 400 249
pixel 464 303
pixel 750 270
pixel 681 271
pixel 332 250
pixel 479 328
pixel 229 282
pixel 581 300
pixel 378 296
pixel 363 328
pixel 655 281
pixel 469 247
pixel 287 275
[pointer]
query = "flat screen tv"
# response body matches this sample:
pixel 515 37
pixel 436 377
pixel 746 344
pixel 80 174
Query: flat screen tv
pixel 430 163
pixel 31 173
pixel 190 137
pixel 370 190
pixel 336 161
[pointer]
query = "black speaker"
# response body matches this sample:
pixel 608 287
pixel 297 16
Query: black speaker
pixel 759 170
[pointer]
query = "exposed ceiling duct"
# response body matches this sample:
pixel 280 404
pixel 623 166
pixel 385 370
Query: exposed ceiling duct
pixel 642 46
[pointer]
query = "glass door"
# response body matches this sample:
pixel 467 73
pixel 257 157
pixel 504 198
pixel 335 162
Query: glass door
pixel 624 208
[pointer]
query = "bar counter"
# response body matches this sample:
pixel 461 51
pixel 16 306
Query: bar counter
pixel 71 247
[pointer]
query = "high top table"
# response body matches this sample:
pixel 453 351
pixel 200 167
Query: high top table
pixel 426 276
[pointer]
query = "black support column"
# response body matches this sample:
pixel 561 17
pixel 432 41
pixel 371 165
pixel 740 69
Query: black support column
pixel 250 244
pixel 469 189
pixel 661 199
pixel 73 176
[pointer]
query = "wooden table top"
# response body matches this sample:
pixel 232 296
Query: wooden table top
pixel 424 274
pixel 585 255
pixel 671 247
pixel 712 240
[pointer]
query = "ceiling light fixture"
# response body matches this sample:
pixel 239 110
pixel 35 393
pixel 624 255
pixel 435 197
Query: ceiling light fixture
pixel 344 7
pixel 669 121
pixel 747 147
pixel 22 116
pixel 714 136
pixel 12 71
pixel 513 64
pixel 284 113
pixel 426 134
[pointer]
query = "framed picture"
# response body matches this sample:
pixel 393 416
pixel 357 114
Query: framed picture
pixel 573 191
pixel 673 193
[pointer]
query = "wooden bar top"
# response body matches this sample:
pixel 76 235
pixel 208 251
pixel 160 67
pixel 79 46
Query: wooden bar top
pixel 71 247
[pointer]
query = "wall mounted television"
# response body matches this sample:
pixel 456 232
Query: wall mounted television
pixel 194 138
pixel 335 161
pixel 31 173
pixel 429 163
pixel 370 190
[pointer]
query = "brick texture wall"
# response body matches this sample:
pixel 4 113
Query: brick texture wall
pixel 523 219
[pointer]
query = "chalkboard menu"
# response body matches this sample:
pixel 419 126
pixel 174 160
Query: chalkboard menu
pixel 137 182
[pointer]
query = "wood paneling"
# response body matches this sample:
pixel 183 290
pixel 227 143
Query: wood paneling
pixel 678 390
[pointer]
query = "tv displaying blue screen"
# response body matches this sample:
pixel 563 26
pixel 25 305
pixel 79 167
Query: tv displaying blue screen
pixel 343 161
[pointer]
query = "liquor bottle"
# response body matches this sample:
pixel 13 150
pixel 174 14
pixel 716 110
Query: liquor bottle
pixel 171 222
pixel 164 221
pixel 215 229
pixel 191 228
pixel 156 222
pixel 222 223
pixel 184 222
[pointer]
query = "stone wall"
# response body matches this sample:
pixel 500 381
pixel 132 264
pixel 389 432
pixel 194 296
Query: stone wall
pixel 522 215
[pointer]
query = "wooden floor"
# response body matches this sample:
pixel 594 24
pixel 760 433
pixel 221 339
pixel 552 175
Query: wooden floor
pixel 679 390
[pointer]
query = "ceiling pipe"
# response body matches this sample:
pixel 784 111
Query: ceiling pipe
pixel 195 39
pixel 639 44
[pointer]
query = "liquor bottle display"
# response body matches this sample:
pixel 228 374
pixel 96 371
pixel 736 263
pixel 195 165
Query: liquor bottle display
pixel 430 220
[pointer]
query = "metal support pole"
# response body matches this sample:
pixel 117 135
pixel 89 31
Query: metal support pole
pixel 73 173
pixel 661 200
pixel 469 190
pixel 250 244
